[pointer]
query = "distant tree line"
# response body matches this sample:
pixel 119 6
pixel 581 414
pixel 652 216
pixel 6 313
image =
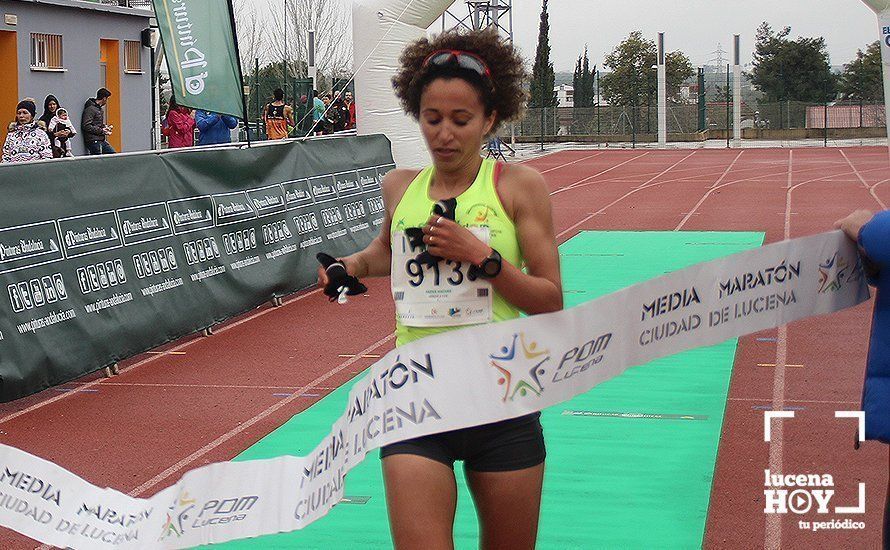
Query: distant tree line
pixel 783 69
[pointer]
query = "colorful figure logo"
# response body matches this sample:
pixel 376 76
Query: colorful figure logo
pixel 834 272
pixel 175 524
pixel 521 369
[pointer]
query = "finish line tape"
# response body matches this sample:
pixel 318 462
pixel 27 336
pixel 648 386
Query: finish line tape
pixel 454 380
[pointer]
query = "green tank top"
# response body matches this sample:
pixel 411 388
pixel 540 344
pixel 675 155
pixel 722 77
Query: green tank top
pixel 478 206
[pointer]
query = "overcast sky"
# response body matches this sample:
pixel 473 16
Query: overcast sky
pixel 696 27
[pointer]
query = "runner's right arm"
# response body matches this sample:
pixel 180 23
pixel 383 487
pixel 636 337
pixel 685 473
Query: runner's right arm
pixel 376 259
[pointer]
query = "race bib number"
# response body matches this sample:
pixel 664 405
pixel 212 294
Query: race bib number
pixel 442 295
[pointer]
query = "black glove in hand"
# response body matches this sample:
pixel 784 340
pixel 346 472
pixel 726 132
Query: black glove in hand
pixel 338 279
pixel 445 208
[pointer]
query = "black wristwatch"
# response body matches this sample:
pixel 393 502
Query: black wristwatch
pixel 490 267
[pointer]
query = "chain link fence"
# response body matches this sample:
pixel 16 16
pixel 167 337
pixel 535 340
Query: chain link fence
pixel 259 90
pixel 763 124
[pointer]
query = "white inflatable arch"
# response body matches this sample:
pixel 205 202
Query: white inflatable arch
pixel 882 10
pixel 382 28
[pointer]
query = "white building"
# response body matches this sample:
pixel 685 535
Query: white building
pixel 565 95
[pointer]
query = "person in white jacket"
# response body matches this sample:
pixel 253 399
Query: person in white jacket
pixel 27 140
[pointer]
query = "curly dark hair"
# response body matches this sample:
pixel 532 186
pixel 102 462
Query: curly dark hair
pixel 502 94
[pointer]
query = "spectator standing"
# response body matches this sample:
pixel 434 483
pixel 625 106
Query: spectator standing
pixel 214 128
pixel 342 112
pixel 303 122
pixel 351 104
pixel 179 127
pixel 51 106
pixel 60 131
pixel 27 140
pixel 331 120
pixel 278 116
pixel 92 123
pixel 318 108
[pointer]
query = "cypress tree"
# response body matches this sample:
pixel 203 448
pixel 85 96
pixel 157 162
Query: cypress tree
pixel 582 82
pixel 543 76
pixel 587 82
pixel 578 82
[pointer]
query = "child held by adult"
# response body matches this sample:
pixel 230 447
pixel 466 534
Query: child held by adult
pixel 62 130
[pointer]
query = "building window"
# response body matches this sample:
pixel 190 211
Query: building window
pixel 46 51
pixel 133 56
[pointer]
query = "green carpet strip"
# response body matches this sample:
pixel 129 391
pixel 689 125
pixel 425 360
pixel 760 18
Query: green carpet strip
pixel 629 464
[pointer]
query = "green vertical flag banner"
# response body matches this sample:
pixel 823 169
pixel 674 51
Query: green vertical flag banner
pixel 202 55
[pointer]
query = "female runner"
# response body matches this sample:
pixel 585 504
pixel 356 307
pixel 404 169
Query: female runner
pixel 461 87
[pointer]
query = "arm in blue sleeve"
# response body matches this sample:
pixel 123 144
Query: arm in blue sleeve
pixel 204 120
pixel 874 239
pixel 230 121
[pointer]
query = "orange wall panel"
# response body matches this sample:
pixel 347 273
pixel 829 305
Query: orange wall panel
pixel 9 84
pixel 110 55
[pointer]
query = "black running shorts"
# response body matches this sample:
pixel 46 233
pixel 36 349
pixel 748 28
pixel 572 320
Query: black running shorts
pixel 505 446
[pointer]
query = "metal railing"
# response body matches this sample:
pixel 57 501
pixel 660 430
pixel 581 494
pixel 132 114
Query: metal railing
pixel 139 4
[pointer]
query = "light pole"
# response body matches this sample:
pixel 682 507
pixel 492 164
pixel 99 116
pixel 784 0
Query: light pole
pixel 311 59
pixel 284 22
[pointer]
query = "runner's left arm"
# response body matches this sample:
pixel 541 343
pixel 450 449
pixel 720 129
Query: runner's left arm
pixel 538 289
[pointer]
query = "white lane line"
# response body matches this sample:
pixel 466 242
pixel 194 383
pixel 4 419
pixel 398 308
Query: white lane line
pixel 712 174
pixel 710 190
pixel 622 197
pixel 812 180
pixel 817 401
pixel 208 386
pixel 634 178
pixel 773 532
pixel 879 182
pixel 256 418
pixel 571 163
pixel 600 173
pixel 871 189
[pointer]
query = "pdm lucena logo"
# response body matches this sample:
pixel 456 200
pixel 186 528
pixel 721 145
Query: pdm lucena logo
pixel 521 367
pixel 188 512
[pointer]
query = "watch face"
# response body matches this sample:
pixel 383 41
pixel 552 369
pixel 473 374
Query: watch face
pixel 492 265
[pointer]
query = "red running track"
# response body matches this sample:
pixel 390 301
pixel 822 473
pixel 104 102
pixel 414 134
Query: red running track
pixel 204 400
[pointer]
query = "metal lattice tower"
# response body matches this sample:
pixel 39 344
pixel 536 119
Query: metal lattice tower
pixel 482 14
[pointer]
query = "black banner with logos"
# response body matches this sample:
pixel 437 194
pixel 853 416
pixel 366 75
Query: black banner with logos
pixel 103 258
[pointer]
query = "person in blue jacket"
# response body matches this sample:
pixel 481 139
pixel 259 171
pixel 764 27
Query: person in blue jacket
pixel 214 128
pixel 872 234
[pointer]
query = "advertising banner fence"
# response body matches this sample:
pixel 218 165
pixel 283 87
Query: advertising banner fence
pixel 449 381
pixel 104 258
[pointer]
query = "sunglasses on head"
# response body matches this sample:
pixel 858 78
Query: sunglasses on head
pixel 462 59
